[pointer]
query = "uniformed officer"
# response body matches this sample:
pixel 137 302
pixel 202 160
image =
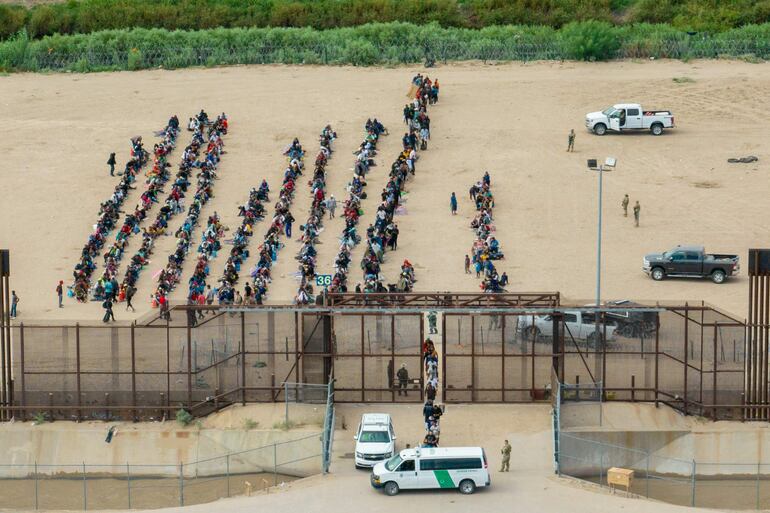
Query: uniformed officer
pixel 637 209
pixel 506 452
pixel 432 323
pixel 624 204
pixel 571 140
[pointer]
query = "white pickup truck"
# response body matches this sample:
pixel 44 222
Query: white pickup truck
pixel 579 325
pixel 629 116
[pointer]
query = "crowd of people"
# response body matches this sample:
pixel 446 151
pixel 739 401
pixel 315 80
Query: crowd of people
pixel 107 285
pixel 312 227
pixel 383 233
pixel 352 210
pixel 431 411
pixel 252 212
pixel 214 147
pixel 109 214
pixel 281 223
pixel 486 248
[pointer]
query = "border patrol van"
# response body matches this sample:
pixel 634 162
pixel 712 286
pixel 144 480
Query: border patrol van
pixel 464 468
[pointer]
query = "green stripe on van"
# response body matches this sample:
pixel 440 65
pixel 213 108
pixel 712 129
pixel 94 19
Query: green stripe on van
pixel 443 478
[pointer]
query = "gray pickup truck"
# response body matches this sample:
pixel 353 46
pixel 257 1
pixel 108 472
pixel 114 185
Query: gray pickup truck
pixel 690 262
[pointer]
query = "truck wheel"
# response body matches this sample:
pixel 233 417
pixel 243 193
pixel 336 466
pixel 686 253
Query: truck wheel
pixel 656 129
pixel 658 274
pixel 467 486
pixel 600 129
pixel 391 488
pixel 718 276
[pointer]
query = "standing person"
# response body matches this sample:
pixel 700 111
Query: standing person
pixel 427 411
pixel 430 392
pixel 637 210
pixel 107 305
pixel 130 291
pixel 14 301
pixel 571 141
pixel 111 163
pixel 210 295
pixel 289 219
pixel 624 204
pixel 432 322
pixel 467 264
pixel 403 379
pixel 453 204
pixel 394 238
pixel 60 292
pixel 506 452
pixel 331 204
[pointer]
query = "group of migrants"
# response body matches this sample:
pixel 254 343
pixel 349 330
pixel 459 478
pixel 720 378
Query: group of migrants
pixel 486 248
pixel 352 210
pixel 171 274
pixel 109 213
pixel 431 411
pixel 312 227
pixel 281 222
pixel 207 250
pixel 107 286
pixel 383 233
pixel 225 292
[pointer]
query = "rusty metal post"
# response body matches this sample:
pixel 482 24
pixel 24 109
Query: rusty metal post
pixel 714 379
pixel 243 360
pixel 133 373
pixel 77 369
pixel 686 352
pixel 657 355
pixel 189 365
pixel 22 371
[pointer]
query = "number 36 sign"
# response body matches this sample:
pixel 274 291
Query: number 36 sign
pixel 323 280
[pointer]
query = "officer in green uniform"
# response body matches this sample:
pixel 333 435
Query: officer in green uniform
pixel 624 204
pixel 432 323
pixel 571 140
pixel 637 209
pixel 506 452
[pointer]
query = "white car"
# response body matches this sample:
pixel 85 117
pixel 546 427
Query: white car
pixel 578 325
pixel 375 439
pixel 629 116
pixel 463 468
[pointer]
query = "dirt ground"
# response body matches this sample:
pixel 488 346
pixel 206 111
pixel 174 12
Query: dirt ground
pixel 510 119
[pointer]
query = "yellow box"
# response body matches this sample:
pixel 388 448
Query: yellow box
pixel 620 477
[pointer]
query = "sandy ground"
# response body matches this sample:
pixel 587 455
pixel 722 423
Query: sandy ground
pixel 510 119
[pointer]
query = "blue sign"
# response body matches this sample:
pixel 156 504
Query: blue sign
pixel 323 280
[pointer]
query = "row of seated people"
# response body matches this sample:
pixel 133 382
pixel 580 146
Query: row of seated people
pixel 170 276
pixel 314 224
pixel 351 209
pixel 281 221
pixel 109 214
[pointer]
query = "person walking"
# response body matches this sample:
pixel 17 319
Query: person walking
pixel 637 210
pixel 111 163
pixel 624 204
pixel 403 379
pixel 130 291
pixel 14 303
pixel 60 292
pixel 331 204
pixel 571 141
pixel 453 204
pixel 432 322
pixel 506 452
pixel 467 264
pixel 107 305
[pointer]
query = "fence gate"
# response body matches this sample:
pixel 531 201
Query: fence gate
pixel 316 351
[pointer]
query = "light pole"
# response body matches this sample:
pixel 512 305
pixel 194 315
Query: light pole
pixel 609 165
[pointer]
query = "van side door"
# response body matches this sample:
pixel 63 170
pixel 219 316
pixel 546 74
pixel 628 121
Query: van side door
pixel 407 474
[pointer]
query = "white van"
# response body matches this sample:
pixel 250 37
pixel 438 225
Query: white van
pixel 375 439
pixel 464 468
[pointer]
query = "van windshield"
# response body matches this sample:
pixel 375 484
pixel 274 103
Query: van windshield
pixel 393 463
pixel 374 437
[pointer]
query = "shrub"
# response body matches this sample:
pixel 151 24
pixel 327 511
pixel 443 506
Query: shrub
pixel 249 424
pixel 589 41
pixel 183 417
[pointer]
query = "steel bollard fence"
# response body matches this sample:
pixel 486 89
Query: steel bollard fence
pixel 275 465
pixel 692 485
pixel 128 483
pixel 181 484
pixel 36 488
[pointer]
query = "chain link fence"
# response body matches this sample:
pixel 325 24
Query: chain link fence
pixel 484 50
pixel 143 486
